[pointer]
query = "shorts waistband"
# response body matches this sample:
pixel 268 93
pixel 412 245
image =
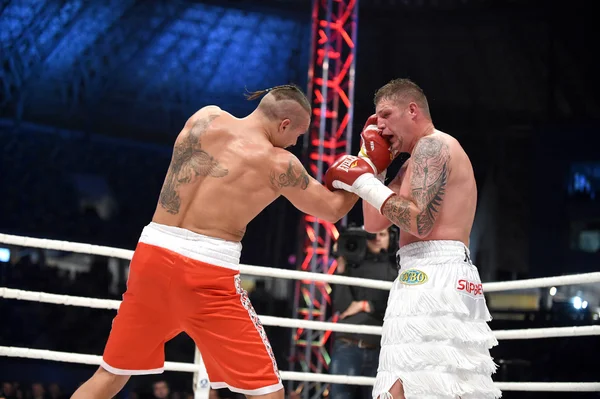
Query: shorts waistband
pixel 433 249
pixel 196 246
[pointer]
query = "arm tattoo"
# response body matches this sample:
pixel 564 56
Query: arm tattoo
pixel 293 176
pixel 397 211
pixel 429 178
pixel 188 162
pixel 430 163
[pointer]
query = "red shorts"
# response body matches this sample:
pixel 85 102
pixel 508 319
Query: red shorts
pixel 183 281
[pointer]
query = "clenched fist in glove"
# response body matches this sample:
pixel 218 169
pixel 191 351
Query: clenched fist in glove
pixel 375 148
pixel 356 175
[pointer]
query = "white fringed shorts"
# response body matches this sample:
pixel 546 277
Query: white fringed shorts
pixel 435 338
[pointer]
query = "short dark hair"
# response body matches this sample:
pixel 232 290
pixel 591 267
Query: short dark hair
pixel 283 92
pixel 403 90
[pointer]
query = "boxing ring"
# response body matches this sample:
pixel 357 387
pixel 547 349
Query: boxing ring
pixel 201 385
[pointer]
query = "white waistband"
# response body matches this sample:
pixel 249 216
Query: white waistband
pixel 192 245
pixel 434 249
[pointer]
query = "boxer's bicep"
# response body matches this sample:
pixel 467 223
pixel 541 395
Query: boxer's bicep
pixel 289 173
pixel 307 194
pixel 427 173
pixel 428 180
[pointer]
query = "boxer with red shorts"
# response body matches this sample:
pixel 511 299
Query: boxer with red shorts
pixel 184 275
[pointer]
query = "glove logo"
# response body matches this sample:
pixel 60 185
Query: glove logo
pixel 348 164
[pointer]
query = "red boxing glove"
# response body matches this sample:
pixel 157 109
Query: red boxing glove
pixel 355 175
pixel 346 169
pixel 372 120
pixel 375 147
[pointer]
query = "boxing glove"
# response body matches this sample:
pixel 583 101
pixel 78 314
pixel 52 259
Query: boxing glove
pixel 356 175
pixel 374 147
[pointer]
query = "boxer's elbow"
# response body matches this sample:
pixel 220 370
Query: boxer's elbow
pixel 333 215
pixel 335 211
pixel 373 221
pixel 332 220
pixel 335 205
pixel 371 227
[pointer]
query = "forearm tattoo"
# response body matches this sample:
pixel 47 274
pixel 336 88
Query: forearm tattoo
pixel 397 210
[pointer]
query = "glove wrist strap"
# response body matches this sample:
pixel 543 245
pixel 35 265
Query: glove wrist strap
pixel 381 176
pixel 370 189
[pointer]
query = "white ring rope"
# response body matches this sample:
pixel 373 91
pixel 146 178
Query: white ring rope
pixel 550 332
pixel 572 279
pixel 12 351
pixel 90 249
pixel 530 333
pixel 43 297
pixel 294 323
pixel 292 375
pixel 126 254
pixel 549 386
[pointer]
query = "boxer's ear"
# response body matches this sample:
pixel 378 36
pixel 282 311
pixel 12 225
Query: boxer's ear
pixel 284 125
pixel 412 109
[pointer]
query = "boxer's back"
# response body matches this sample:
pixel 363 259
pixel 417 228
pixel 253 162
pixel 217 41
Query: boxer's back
pixel 218 178
pixel 456 213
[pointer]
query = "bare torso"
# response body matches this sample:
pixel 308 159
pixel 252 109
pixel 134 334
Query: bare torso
pixel 218 179
pixel 450 197
pixel 455 217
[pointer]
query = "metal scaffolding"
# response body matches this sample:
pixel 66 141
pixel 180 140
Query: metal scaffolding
pixel 331 89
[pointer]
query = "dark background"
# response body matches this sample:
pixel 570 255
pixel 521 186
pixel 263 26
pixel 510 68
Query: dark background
pixel 93 94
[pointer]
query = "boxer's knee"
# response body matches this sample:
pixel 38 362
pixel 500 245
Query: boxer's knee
pixel 395 392
pixel 107 376
pixel 275 395
pixel 103 384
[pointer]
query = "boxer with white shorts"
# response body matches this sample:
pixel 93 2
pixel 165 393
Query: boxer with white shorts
pixel 436 340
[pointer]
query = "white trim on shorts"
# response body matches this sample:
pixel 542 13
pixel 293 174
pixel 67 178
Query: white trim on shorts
pixel 211 250
pixel 251 392
pixel 245 301
pixel 117 371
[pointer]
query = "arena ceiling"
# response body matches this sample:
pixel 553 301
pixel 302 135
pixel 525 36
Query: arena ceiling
pixel 142 63
pixel 138 68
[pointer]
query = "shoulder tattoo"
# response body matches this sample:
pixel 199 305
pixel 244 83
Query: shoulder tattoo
pixel 189 161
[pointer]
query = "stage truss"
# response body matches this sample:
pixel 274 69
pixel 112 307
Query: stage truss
pixel 331 90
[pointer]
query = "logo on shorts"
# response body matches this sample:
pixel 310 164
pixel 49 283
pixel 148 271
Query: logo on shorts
pixel 256 321
pixel 470 287
pixel 413 277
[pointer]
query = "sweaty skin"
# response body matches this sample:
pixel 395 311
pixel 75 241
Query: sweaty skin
pixel 223 173
pixel 437 194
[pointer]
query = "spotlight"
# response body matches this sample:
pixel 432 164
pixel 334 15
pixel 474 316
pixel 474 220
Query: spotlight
pixel 584 304
pixel 4 255
pixel 577 303
pixel 552 291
